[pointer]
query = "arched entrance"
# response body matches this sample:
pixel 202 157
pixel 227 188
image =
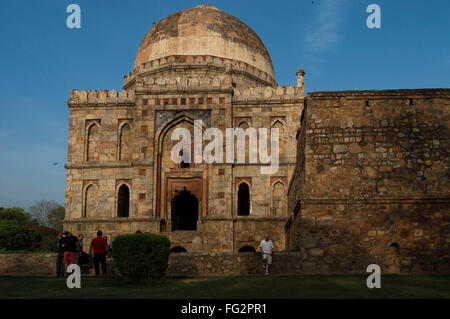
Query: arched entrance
pixel 184 211
pixel 178 249
pixel 247 249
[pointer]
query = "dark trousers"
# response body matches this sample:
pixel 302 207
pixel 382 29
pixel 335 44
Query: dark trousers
pixel 100 259
pixel 60 265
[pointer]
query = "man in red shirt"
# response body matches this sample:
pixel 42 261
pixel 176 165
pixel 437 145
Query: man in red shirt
pixel 100 246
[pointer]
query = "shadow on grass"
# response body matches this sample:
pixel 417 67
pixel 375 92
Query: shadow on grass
pixel 224 287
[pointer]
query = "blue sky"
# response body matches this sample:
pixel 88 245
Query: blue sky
pixel 41 60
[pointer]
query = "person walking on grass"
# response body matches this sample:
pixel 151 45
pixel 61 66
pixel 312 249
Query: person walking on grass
pixel 72 250
pixel 266 249
pixel 100 247
pixel 60 247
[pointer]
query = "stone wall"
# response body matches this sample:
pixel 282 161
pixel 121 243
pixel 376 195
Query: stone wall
pixel 229 263
pixel 374 186
pixel 353 261
pixel 296 183
pixel 179 264
pixel 27 264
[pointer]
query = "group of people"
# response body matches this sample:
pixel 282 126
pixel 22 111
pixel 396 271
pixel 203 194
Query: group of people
pixel 70 251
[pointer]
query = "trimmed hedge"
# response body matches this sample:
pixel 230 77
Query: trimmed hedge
pixel 140 257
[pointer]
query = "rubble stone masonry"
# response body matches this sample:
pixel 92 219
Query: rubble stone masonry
pixel 179 264
pixel 371 183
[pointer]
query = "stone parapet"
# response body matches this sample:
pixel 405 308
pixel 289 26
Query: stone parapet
pixel 373 94
pixel 195 62
pixel 268 94
pixel 197 83
pixel 101 97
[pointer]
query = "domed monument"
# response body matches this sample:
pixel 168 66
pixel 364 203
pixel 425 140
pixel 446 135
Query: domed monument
pixel 199 68
pixel 206 31
pixel 202 145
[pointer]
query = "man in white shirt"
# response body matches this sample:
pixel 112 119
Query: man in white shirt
pixel 266 249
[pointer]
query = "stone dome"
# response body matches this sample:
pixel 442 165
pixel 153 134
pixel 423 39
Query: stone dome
pixel 204 30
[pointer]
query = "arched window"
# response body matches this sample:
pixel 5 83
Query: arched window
pixel 279 125
pixel 178 249
pixel 243 125
pixel 278 199
pixel 90 201
pixel 243 200
pixel 247 249
pixel 93 141
pixel 125 143
pixel 123 201
pixel 282 137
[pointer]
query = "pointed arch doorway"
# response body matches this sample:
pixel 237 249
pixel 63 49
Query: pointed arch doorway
pixel 184 211
pixel 185 206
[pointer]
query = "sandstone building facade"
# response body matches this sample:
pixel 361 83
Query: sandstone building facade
pixel 363 175
pixel 197 64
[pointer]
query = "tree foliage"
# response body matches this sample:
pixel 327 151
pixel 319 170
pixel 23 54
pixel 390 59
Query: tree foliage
pixel 19 231
pixel 55 217
pixel 48 213
pixel 48 238
pixel 14 236
pixel 15 213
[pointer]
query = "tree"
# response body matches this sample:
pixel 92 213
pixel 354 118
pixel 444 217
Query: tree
pixel 41 209
pixel 55 217
pixel 48 238
pixel 15 213
pixel 14 236
pixel 18 231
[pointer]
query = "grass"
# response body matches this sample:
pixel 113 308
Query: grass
pixel 248 286
pixel 16 252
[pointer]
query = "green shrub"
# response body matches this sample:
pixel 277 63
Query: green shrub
pixel 141 257
pixel 17 237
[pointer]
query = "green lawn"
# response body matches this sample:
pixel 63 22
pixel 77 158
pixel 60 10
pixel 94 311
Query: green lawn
pixel 249 286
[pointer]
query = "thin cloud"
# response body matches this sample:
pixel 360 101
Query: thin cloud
pixel 324 32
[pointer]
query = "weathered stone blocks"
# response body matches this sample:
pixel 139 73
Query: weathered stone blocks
pixel 375 167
